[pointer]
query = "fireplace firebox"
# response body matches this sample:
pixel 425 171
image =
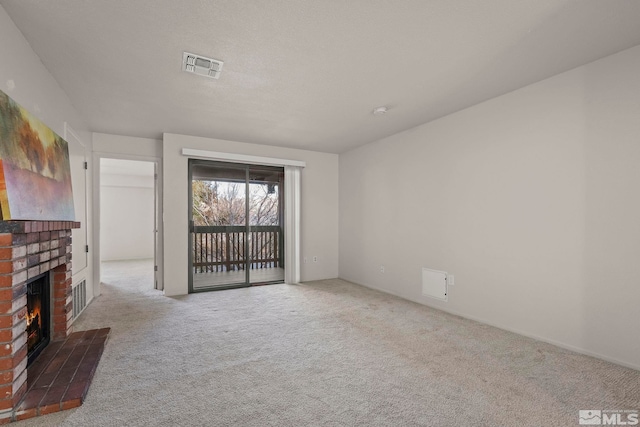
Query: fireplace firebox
pixel 38 316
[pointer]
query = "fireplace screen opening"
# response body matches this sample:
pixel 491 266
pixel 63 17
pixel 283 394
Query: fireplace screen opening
pixel 38 319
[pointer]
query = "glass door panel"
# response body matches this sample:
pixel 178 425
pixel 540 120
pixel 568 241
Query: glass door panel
pixel 218 226
pixel 266 219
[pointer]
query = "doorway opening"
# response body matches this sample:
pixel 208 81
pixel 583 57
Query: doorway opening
pixel 128 216
pixel 236 230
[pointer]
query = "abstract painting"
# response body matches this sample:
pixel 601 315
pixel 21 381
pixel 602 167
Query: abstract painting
pixel 35 174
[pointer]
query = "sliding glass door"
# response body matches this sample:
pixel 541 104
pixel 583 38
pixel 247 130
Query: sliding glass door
pixel 236 229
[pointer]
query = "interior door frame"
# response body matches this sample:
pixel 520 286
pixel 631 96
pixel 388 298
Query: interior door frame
pixel 158 226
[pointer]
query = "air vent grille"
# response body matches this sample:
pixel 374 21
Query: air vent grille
pixel 201 65
pixel 79 293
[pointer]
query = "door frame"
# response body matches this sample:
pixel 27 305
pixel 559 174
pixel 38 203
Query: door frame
pixel 247 257
pixel 159 225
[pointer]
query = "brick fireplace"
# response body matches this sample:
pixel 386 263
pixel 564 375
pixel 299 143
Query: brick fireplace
pixel 27 250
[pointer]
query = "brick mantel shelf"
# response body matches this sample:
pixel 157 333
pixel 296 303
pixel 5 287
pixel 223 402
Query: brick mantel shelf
pixel 28 249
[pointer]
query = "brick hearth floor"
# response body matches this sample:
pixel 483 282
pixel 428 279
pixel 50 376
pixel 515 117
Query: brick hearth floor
pixel 59 378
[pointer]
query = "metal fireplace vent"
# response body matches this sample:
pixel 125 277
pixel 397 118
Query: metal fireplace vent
pixel 201 65
pixel 79 294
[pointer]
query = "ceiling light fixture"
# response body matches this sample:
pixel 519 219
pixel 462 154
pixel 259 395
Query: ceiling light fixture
pixel 201 65
pixel 379 111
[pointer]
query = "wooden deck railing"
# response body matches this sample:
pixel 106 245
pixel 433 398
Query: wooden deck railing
pixel 222 248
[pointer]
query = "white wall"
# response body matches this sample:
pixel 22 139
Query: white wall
pixel 25 79
pixel 529 199
pixel 107 145
pixel 126 217
pixel 319 206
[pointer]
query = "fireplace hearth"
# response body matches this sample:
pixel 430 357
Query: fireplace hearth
pixel 37 318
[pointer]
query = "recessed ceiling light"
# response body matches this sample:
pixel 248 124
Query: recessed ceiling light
pixel 203 66
pixel 378 111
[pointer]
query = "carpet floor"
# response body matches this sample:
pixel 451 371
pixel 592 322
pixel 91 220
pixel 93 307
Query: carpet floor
pixel 326 353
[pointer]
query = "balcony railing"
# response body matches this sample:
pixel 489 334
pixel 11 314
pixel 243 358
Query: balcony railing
pixel 223 248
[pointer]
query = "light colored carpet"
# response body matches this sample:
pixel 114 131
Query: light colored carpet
pixel 325 353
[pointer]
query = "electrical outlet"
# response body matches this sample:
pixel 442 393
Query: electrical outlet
pixel 315 259
pixel 382 269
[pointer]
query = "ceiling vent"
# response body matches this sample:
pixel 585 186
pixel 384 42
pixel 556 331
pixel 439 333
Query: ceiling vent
pixel 201 65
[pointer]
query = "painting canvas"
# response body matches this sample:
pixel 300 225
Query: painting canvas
pixel 35 174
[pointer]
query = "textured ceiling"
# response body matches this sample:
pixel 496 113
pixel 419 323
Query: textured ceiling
pixel 307 74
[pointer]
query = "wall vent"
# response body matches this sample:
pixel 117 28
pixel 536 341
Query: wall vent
pixel 79 293
pixel 203 66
